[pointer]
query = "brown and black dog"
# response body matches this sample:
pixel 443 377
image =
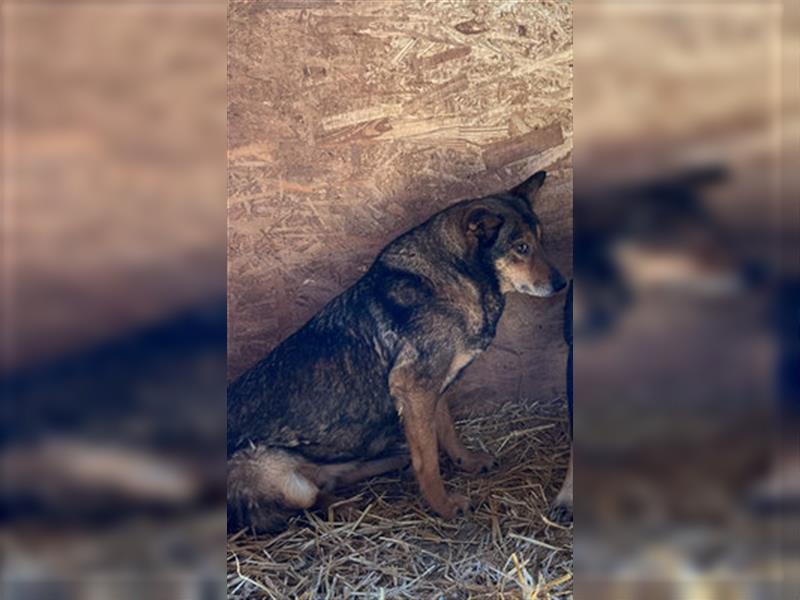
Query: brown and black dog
pixel 334 402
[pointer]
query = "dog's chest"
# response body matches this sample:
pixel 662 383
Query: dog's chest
pixel 458 364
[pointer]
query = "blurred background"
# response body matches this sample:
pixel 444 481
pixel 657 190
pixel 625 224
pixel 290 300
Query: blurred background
pixel 686 307
pixel 113 299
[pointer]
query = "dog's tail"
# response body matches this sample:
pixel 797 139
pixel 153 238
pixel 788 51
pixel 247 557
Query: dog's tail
pixel 266 487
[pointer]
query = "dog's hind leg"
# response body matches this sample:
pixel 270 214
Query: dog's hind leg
pixel 330 476
pixel 449 440
pixel 372 468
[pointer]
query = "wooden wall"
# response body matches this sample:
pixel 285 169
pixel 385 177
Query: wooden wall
pixel 352 122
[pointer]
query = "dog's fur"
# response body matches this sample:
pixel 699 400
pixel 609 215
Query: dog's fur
pixel 334 401
pixel 561 510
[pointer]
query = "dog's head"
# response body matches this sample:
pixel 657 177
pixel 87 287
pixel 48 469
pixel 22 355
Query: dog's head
pixel 507 234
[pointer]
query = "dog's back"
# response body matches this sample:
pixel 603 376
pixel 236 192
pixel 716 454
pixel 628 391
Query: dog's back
pixel 323 391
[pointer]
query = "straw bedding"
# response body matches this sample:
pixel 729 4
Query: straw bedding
pixel 381 541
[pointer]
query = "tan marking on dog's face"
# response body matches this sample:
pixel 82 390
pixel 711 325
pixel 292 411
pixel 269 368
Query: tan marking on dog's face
pixel 526 269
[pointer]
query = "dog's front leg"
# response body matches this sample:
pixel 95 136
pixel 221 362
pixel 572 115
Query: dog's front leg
pixel 562 506
pixel 416 404
pixel 472 462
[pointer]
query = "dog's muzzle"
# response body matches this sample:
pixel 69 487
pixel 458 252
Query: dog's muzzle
pixel 555 284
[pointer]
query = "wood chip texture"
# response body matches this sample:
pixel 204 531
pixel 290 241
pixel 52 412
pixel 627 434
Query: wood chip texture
pixel 350 122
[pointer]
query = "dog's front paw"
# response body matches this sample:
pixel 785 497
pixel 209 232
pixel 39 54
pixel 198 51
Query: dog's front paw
pixel 455 504
pixel 477 462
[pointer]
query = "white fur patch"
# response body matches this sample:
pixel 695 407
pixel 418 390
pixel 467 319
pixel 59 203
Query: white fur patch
pixel 565 495
pixel 299 491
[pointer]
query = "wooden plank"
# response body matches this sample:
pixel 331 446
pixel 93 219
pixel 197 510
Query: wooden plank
pixel 534 142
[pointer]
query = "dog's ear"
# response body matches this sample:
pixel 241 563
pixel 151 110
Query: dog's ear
pixel 482 225
pixel 528 189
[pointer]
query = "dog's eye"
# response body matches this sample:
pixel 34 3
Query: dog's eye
pixel 522 248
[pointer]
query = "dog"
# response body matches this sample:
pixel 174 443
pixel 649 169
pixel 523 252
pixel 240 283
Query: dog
pixel 334 402
pixel 561 511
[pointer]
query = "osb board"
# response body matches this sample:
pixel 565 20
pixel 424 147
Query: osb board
pixel 351 122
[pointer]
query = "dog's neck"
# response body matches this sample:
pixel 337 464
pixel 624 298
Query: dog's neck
pixel 439 252
pixel 493 301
